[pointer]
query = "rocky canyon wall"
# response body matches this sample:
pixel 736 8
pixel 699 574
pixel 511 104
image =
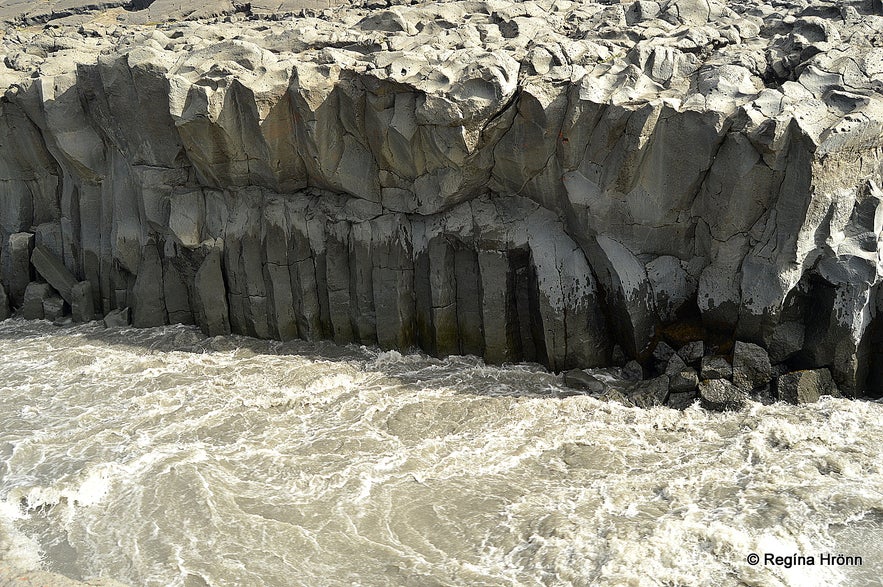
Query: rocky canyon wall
pixel 543 181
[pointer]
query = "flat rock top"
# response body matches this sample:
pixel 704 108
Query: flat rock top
pixel 41 11
pixel 818 63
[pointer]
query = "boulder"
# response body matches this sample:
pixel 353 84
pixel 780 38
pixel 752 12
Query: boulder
pixel 785 340
pixel 693 13
pixel 580 379
pixel 649 393
pixel 53 307
pixel 692 352
pixel 751 366
pixel 35 296
pixel 681 400
pixel 716 367
pixel 119 318
pixel 720 395
pixel 805 387
pixel 633 371
pixel 661 354
pixel 685 380
pixel 53 271
pixel 675 365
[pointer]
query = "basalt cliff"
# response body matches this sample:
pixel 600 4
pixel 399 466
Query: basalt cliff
pixel 572 183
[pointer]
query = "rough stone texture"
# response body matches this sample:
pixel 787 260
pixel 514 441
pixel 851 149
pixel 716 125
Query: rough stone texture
pixel 633 371
pixel 720 395
pixel 53 271
pixel 805 387
pixel 675 365
pixel 83 303
pixel 692 352
pixel 662 356
pixel 4 304
pixel 210 301
pixel 148 297
pixel 36 294
pixel 649 393
pixel 751 366
pixel 53 307
pixel 523 181
pixel 685 380
pixel 118 318
pixel 16 265
pixel 681 400
pixel 579 379
pixel 716 367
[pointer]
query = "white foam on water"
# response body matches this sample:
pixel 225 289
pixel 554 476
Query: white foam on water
pixel 17 550
pixel 86 491
pixel 160 457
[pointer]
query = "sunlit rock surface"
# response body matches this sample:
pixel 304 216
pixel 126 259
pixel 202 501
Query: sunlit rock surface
pixel 540 181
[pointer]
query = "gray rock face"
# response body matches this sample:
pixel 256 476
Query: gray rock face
pixel 675 365
pixel 684 381
pixel 633 371
pixel 579 379
pixel 538 181
pixel 211 303
pixel 806 387
pixel 721 395
pixel 681 400
pixel 692 352
pixel 649 393
pixel 16 266
pixel 53 307
pixel 716 367
pixel 662 356
pixel 36 295
pixel 118 318
pixel 4 304
pixel 53 271
pixel 82 302
pixel 751 366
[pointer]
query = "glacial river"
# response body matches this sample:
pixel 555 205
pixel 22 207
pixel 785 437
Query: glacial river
pixel 162 458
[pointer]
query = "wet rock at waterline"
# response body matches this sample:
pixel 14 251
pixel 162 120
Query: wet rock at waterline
pixel 805 387
pixel 721 395
pixel 582 380
pixel 4 304
pixel 118 318
pixel 751 366
pixel 53 308
pixel 537 181
pixel 82 304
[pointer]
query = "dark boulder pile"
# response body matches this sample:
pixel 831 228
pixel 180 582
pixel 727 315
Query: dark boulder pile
pixel 719 382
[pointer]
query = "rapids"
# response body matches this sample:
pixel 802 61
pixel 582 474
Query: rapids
pixel 160 457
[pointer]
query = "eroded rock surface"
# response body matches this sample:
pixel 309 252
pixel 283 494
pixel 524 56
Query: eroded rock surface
pixel 524 181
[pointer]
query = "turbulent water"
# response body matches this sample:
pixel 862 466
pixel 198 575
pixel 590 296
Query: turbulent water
pixel 160 457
